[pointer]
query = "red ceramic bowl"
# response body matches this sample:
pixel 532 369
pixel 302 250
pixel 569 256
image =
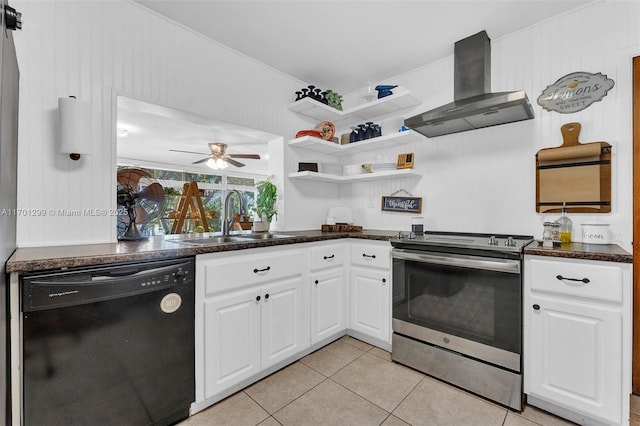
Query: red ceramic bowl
pixel 314 133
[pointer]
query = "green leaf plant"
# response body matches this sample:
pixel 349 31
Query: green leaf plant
pixel 266 199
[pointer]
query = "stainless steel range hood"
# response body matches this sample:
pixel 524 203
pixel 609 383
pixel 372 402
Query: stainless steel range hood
pixel 474 105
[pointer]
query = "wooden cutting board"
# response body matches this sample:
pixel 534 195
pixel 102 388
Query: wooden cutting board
pixel 576 173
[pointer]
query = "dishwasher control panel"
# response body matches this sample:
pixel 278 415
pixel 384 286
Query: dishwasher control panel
pixel 177 275
pixel 75 286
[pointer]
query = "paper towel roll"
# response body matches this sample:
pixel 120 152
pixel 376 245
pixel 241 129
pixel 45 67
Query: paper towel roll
pixel 75 126
pixel 581 151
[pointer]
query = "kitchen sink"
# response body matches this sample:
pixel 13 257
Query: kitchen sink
pixel 217 239
pixel 266 236
pixel 223 239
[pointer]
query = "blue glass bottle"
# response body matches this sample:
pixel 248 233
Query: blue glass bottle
pixel 353 136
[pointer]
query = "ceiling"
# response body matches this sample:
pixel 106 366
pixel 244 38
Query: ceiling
pixel 152 131
pixel 335 44
pixel 343 44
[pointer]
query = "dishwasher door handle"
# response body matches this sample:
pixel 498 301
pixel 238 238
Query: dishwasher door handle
pixel 105 277
pixel 72 288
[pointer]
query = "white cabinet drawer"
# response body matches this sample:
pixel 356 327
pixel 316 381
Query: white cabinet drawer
pixel 329 256
pixel 372 255
pixel 230 273
pixel 568 276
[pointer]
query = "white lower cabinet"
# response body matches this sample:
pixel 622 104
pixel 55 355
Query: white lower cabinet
pixel 232 340
pixel 327 304
pixel 249 323
pixel 257 309
pixel 282 329
pixel 327 284
pixel 370 307
pixel 577 338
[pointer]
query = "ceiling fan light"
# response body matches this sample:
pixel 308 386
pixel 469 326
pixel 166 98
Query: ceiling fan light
pixel 216 164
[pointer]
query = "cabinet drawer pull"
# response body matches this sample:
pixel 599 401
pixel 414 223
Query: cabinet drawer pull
pixel 257 298
pixel 584 280
pixel 329 257
pixel 255 271
pixel 373 256
pixel 536 307
pixel 316 282
pixel 384 280
pixel 266 296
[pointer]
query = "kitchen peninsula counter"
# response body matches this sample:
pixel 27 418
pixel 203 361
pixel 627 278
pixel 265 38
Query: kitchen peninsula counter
pixel 29 259
pixel 601 252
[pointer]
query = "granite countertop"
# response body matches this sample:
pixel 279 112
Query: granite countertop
pixel 602 252
pixel 29 259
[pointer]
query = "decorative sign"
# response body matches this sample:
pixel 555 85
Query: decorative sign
pixel 575 92
pixel 402 204
pixel 405 161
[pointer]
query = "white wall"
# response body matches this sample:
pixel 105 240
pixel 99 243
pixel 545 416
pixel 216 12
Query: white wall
pixel 96 49
pixel 479 181
pixel 484 180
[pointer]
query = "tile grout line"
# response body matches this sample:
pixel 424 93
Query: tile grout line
pixel 362 397
pixel 405 397
pixel 259 405
pixel 299 396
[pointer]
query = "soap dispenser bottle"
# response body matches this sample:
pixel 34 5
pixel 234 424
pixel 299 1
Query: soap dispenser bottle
pixel 565 226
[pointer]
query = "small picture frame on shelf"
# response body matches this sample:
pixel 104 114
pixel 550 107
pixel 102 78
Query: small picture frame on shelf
pixel 405 161
pixel 308 167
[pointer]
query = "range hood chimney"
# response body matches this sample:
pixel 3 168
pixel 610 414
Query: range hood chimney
pixel 474 105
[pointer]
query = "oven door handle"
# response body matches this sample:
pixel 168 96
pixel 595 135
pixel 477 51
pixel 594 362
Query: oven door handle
pixel 489 264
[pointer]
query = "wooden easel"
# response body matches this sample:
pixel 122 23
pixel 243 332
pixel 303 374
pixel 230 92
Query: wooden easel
pixel 190 193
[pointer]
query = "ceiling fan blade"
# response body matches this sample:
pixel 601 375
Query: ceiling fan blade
pixel 203 160
pixel 188 152
pixel 233 162
pixel 252 156
pixel 153 192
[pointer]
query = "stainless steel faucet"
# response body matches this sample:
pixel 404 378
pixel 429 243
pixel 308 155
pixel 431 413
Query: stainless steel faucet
pixel 227 224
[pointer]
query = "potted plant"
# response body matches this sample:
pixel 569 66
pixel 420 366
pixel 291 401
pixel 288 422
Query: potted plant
pixel 266 201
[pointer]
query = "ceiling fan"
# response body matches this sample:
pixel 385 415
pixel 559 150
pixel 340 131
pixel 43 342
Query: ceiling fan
pixel 218 159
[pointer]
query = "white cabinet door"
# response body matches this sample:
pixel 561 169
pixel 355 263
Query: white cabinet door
pixel 231 339
pixel 575 355
pixel 327 304
pixel 370 303
pixel 282 322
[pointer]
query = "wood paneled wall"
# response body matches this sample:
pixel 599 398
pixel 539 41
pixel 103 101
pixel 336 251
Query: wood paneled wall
pixel 480 181
pixel 97 49
pixel 484 180
pixel 636 225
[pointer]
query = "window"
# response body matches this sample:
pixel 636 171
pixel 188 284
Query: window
pixel 213 189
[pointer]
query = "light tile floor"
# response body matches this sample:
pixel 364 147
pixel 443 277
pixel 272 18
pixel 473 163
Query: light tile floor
pixel 350 382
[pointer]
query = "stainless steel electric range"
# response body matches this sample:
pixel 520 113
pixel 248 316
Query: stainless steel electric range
pixel 457 310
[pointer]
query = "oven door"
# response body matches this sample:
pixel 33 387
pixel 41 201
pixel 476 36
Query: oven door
pixel 468 304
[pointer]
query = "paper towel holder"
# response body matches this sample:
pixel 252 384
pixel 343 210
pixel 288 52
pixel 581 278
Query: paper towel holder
pixel 74 121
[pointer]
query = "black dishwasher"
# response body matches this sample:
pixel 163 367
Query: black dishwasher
pixel 109 345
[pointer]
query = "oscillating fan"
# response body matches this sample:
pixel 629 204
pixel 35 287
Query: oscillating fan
pixel 143 198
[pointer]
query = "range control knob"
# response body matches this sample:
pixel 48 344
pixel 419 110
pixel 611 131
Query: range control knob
pixel 510 242
pixel 493 241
